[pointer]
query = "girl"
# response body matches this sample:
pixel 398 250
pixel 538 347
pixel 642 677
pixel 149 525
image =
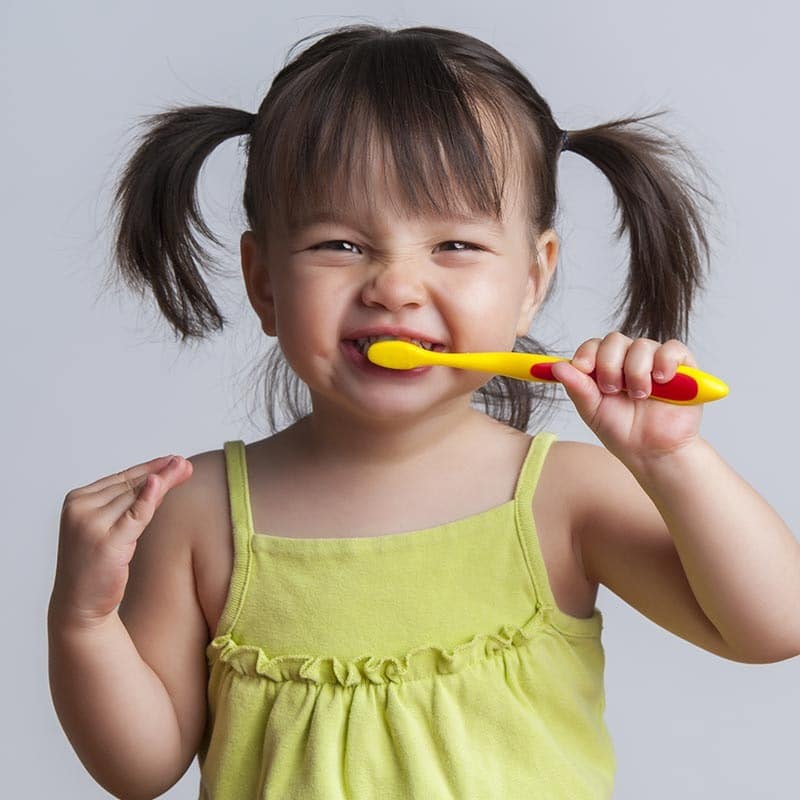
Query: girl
pixel 394 595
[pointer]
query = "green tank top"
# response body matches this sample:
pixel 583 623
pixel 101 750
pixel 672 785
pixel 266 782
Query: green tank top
pixel 431 664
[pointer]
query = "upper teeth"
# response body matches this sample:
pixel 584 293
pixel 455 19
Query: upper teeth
pixel 366 341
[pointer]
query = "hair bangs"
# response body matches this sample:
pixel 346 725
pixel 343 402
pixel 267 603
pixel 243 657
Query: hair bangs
pixel 404 126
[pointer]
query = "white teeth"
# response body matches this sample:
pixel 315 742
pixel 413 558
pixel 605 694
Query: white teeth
pixel 366 341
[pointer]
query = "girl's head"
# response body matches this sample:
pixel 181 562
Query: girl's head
pixel 399 131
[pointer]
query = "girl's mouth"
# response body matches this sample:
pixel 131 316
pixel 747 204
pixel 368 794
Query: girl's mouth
pixel 363 344
pixel 355 350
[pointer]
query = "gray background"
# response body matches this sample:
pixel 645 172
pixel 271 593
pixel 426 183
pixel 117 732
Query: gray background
pixel 94 383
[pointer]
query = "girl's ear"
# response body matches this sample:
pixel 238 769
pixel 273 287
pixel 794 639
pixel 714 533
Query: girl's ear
pixel 541 272
pixel 257 282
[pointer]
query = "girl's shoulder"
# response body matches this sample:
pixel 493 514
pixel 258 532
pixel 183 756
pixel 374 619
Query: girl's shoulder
pixel 608 507
pixel 562 487
pixel 207 492
pixel 211 539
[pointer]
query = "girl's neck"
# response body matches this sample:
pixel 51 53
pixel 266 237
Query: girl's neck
pixel 334 438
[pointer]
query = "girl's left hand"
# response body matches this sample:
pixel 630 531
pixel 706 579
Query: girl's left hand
pixel 635 430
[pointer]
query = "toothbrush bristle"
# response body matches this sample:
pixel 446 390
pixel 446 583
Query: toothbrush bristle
pixel 393 354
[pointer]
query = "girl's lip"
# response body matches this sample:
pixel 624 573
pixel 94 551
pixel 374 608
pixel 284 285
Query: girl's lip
pixel 394 331
pixel 356 357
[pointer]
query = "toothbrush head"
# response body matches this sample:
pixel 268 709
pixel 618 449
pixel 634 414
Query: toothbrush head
pixel 396 354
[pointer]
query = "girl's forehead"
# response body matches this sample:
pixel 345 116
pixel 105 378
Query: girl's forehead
pixel 377 219
pixel 372 179
pixel 382 202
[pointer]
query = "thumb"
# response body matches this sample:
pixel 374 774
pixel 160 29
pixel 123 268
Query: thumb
pixel 580 387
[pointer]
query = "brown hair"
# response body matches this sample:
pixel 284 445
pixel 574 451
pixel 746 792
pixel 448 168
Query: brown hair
pixel 441 103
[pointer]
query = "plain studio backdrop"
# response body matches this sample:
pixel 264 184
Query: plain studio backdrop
pixel 94 382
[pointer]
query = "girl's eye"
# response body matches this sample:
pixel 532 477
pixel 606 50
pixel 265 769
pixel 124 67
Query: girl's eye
pixel 324 245
pixel 465 245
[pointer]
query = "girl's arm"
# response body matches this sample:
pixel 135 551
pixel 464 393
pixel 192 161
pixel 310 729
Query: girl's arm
pixel 693 547
pixel 741 559
pixel 696 521
pixel 113 707
pixel 126 650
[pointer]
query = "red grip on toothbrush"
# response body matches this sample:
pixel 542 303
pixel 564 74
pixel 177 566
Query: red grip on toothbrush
pixel 679 387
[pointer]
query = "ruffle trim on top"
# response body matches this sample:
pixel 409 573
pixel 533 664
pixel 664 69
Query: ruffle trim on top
pixel 251 660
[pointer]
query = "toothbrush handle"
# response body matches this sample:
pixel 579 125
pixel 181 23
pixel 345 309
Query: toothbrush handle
pixel 689 386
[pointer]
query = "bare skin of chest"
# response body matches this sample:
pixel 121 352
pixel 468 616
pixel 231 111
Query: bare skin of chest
pixel 213 551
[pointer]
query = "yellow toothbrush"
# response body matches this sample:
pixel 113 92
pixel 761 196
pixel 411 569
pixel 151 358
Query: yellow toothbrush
pixel 689 386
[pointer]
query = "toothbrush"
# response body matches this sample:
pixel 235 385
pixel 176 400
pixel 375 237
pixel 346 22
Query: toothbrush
pixel 689 386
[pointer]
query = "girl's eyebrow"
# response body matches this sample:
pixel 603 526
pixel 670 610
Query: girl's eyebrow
pixel 307 220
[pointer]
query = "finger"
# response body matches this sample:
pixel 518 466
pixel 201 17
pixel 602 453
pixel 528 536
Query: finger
pixel 133 511
pixel 585 355
pixel 125 492
pixel 668 357
pixel 638 368
pixel 610 360
pixel 131 473
pixel 114 501
pixel 577 380
pixel 128 482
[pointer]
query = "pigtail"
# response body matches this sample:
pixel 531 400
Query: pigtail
pixel 155 202
pixel 660 212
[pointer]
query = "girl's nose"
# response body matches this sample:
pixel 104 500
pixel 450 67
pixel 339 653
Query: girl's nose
pixel 393 286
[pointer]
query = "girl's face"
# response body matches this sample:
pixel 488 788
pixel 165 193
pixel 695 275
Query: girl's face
pixel 461 285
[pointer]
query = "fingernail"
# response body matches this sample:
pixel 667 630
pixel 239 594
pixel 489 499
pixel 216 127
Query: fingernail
pixel 659 376
pixel 607 387
pixel 639 394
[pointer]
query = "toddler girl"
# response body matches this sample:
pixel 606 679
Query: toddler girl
pixel 393 596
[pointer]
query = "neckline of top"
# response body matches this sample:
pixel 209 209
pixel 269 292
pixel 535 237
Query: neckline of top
pixel 388 539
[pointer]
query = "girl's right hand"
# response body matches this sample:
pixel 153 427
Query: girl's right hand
pixel 100 525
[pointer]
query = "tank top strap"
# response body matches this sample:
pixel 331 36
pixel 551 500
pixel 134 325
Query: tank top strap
pixel 242 523
pixel 526 525
pixel 531 467
pixel 238 488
